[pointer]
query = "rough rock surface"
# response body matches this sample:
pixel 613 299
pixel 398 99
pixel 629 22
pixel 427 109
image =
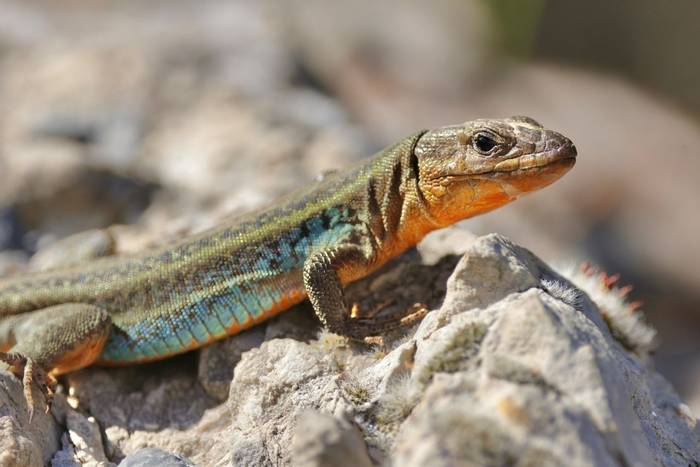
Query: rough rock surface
pixel 152 457
pixel 321 439
pixel 516 367
pixel 22 443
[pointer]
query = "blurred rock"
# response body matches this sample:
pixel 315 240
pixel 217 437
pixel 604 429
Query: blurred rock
pixel 153 457
pixel 203 108
pixel 76 95
pixel 323 441
pixel 393 48
pixel 631 38
pixel 73 250
pixel 86 199
pixel 10 229
pixel 195 151
pixel 217 361
pixel 12 262
pixel 22 443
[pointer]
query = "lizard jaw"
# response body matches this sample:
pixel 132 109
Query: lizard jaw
pixel 524 174
pixel 564 153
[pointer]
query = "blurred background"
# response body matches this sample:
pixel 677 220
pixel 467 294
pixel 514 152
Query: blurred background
pixel 162 117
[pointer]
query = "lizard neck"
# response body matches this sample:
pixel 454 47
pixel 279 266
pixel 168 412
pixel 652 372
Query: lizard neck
pixel 398 216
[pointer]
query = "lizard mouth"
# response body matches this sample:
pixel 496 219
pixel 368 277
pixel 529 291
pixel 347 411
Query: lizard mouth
pixel 526 173
pixel 531 172
pixel 560 156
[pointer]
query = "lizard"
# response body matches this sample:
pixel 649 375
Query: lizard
pixel 127 309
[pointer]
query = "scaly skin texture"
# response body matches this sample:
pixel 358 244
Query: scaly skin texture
pixel 123 310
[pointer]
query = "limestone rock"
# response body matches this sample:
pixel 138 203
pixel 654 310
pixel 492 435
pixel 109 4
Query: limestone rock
pixel 324 441
pixel 23 443
pixel 217 361
pixel 514 375
pixel 81 444
pixel 517 366
pixel 72 250
pixel 152 457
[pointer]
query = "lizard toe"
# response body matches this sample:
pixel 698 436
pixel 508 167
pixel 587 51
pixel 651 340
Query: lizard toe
pixel 29 372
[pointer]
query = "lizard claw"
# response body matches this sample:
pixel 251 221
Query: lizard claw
pixel 30 373
pixel 396 320
pixel 418 311
pixel 415 313
pixel 27 380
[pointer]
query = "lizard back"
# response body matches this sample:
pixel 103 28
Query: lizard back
pixel 174 299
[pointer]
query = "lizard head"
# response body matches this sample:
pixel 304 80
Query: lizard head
pixel 478 166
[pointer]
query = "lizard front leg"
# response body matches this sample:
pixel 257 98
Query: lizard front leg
pixel 52 341
pixel 322 279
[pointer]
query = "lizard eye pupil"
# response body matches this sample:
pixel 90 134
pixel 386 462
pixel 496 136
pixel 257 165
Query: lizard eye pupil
pixel 484 143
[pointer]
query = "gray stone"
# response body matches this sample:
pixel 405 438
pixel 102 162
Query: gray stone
pixel 321 440
pixel 23 443
pixel 272 385
pixel 217 361
pixel 524 378
pixel 74 249
pixel 517 366
pixel 154 457
pixel 81 444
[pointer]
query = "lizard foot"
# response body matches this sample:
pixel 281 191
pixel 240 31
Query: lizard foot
pixel 417 312
pixel 413 315
pixel 29 372
pixel 387 320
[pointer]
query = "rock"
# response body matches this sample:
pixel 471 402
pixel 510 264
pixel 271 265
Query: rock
pixel 324 441
pixel 217 361
pixel 153 457
pixel 73 249
pixel 301 324
pixel 23 443
pixel 73 96
pixel 12 262
pixel 260 103
pixel 271 386
pixel 10 229
pixel 444 242
pixel 516 366
pixel 515 375
pixel 374 45
pixel 82 444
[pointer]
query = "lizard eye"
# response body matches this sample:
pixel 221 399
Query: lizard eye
pixel 483 143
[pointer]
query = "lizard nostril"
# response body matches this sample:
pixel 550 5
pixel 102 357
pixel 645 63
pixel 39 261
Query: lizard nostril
pixel 552 144
pixel 556 142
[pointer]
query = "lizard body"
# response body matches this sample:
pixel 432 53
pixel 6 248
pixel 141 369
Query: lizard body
pixel 130 309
